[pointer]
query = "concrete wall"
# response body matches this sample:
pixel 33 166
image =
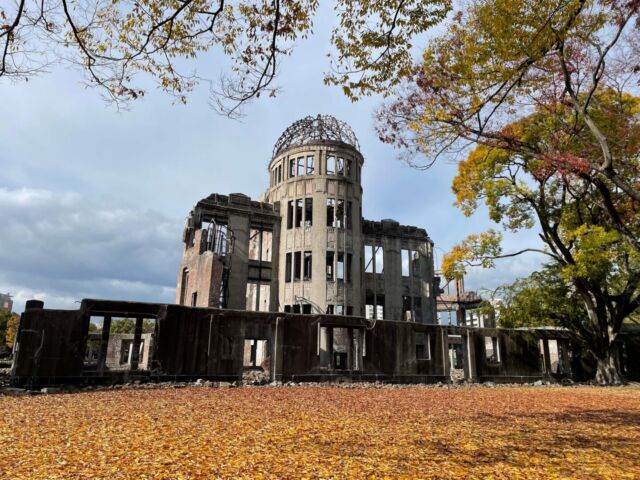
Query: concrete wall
pixel 394 238
pixel 208 269
pixel 209 343
pixel 318 238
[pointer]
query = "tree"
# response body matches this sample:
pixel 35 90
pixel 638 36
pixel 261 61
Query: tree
pixel 8 328
pixel 127 325
pixel 542 299
pixel 539 90
pixel 115 41
pixel 12 330
pixel 4 317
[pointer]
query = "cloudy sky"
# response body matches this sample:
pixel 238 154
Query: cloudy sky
pixel 92 200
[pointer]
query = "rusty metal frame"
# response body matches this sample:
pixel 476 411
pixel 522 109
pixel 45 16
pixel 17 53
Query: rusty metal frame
pixel 312 129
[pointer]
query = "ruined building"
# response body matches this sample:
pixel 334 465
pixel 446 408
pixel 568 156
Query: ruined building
pixel 305 248
pixel 298 287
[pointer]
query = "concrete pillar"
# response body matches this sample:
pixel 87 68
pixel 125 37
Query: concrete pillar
pixel 239 225
pixel 446 367
pixel 135 349
pixel 34 305
pixel 470 355
pixel 547 357
pixel 104 344
pixel 392 278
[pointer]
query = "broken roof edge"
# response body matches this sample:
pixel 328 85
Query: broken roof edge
pixel 235 200
pixel 324 128
pixel 390 227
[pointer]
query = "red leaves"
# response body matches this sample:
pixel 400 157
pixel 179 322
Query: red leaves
pixel 563 164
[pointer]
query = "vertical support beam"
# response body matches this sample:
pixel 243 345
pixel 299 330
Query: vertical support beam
pixel 211 347
pixel 104 344
pixel 565 365
pixel 277 350
pixel 237 283
pixel 471 357
pixel 332 364
pixel 351 354
pixel 135 349
pixel 444 336
pixel 547 357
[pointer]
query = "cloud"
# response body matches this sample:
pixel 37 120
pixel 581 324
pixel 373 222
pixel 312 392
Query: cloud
pixel 63 246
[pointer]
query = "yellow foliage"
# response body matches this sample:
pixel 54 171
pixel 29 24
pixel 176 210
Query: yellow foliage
pixel 12 330
pixel 475 250
pixel 203 433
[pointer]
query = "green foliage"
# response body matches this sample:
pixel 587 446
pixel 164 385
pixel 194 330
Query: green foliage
pixel 128 325
pixel 537 88
pixel 12 330
pixel 374 42
pixel 482 248
pixel 4 318
pixel 540 300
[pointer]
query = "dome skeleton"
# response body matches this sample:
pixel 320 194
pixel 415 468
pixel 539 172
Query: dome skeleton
pixel 313 129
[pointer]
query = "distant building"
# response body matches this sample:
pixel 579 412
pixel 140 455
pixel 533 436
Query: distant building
pixel 6 304
pixel 305 248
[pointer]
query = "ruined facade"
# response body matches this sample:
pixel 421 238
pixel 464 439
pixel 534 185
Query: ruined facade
pixel 306 248
pixel 187 343
pixel 6 303
pixel 299 287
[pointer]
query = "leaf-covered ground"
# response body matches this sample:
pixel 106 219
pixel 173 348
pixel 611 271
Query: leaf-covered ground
pixel 323 433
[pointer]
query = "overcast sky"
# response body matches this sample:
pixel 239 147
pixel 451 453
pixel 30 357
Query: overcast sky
pixel 92 200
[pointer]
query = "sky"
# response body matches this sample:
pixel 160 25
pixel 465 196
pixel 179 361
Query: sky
pixel 93 200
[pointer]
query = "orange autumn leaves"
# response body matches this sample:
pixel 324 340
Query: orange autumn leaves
pixel 324 433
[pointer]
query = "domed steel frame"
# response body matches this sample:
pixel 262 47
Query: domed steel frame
pixel 313 129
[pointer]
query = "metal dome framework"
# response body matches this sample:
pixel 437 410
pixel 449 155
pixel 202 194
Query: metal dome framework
pixel 313 129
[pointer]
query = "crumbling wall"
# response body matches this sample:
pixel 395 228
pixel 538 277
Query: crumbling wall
pixel 50 344
pixel 190 343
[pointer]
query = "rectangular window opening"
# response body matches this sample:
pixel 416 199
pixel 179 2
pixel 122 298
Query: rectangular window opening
pixel 307 266
pixel 290 214
pixel 330 258
pixel 297 265
pixel 415 264
pixel 404 258
pixel 298 221
pixel 368 258
pixel 491 349
pixel 331 165
pixel 287 268
pixel 339 223
pixel 340 266
pixel 256 354
pixel 308 212
pixel 331 207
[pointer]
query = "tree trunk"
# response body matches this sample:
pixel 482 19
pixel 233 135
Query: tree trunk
pixel 608 372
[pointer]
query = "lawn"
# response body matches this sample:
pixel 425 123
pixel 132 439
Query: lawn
pixel 323 433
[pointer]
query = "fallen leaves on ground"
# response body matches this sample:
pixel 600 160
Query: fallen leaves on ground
pixel 323 433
